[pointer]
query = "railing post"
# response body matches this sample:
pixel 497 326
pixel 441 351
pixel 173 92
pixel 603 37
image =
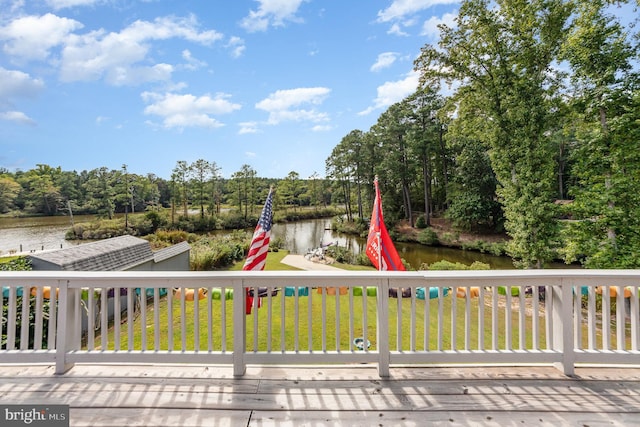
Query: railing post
pixel 67 328
pixel 382 320
pixel 562 318
pixel 239 328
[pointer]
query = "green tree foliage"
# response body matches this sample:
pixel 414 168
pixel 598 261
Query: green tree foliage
pixel 9 190
pixel 606 159
pixel 502 54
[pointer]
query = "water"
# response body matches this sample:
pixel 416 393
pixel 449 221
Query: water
pixel 301 236
pixel 35 234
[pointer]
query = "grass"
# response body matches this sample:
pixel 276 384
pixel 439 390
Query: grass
pixel 310 334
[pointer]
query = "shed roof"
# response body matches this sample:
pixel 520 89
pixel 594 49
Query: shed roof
pixel 113 254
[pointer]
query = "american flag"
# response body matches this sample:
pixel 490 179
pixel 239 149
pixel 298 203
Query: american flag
pixel 257 256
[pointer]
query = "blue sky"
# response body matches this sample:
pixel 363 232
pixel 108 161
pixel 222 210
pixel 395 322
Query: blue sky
pixel 275 84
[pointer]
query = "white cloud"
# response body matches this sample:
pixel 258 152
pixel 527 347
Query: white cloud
pixel 248 127
pixel 385 60
pixel 281 105
pixel 62 4
pixel 17 84
pixel 430 26
pixel 396 29
pixel 192 62
pixel 321 128
pixel 271 12
pixel 237 46
pixel 400 9
pixel 391 92
pixel 32 37
pixel 17 117
pixel 114 56
pixel 180 111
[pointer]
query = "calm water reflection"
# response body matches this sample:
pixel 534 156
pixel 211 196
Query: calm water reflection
pixel 29 234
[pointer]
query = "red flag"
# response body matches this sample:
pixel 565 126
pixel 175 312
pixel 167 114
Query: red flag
pixel 257 256
pixel 379 244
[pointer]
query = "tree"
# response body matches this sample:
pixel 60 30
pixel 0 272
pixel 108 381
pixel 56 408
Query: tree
pixel 501 56
pixel 42 195
pixel 290 189
pixel 9 190
pixel 606 161
pixel 180 178
pixel 426 141
pixel 200 172
pixel 398 167
pixel 100 188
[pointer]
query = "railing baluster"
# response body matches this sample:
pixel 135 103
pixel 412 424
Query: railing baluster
pixel 352 315
pixel 210 319
pixel 399 330
pixel 170 319
pixel 427 319
pixel 309 316
pixel 495 325
pixel 634 317
pixel 296 323
pixel 440 318
pixel 413 319
pixel 156 318
pixel 365 315
pixel 454 318
pixel 620 319
pixel 24 329
pixel 467 318
pixel 535 317
pixel 38 325
pixel 577 316
pixel 143 317
pixel 183 320
pixel 508 313
pixel 223 315
pixel 481 322
pixel 592 318
pixel 254 312
pixel 196 319
pixel 606 324
pixel 283 343
pixel 104 319
pixel 522 319
pixel 269 320
pixel 324 319
pixel 117 318
pixel 130 319
pixel 337 321
pixel 91 319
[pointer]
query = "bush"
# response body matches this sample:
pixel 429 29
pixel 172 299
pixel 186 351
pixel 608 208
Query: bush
pixel 428 237
pixel 448 265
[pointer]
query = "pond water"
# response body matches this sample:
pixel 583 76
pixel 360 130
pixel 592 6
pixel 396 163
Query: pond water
pixel 47 233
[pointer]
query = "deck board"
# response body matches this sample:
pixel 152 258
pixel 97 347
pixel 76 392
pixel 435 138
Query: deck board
pixel 117 395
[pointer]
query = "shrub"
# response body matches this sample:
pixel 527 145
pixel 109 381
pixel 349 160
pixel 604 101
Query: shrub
pixel 428 237
pixel 448 265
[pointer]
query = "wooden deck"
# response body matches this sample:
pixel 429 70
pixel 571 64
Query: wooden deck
pixel 181 395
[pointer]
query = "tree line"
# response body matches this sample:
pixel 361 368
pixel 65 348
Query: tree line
pixel 194 189
pixel 527 117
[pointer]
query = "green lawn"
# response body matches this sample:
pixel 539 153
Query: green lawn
pixel 310 327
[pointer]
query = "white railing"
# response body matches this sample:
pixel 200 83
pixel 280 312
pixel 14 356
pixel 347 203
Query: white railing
pixel 558 317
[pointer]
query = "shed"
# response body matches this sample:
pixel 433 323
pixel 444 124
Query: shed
pixel 115 254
